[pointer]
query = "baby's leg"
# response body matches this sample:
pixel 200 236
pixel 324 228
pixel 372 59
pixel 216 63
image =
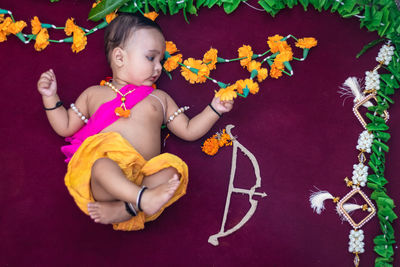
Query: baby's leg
pixel 108 184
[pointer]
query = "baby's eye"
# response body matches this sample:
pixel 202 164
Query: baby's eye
pixel 150 58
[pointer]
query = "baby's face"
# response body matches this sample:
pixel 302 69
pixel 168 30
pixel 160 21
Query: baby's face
pixel 145 50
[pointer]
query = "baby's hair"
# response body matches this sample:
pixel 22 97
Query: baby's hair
pixel 122 27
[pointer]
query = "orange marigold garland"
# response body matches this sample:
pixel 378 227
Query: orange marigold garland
pixel 196 71
pixel 215 142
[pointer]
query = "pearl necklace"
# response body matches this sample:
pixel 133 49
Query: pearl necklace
pixel 121 111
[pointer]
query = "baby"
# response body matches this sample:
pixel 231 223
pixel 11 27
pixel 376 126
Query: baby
pixel 115 171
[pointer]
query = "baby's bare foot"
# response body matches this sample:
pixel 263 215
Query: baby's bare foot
pixel 153 199
pixel 108 212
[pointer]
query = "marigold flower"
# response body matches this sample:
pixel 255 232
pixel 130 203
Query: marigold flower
pixel 278 64
pixel 79 40
pixel 224 139
pixel 253 65
pixel 4 29
pixel 251 85
pixel 308 42
pixel 275 72
pixel 69 26
pixel 16 27
pixel 202 73
pixel 284 56
pixel 227 94
pixel 151 15
pixel 1 17
pixel 42 40
pixel 170 47
pixel 172 62
pixel 273 42
pixel 245 51
pixel 262 74
pixel 110 17
pixel 210 146
pixel 95 4
pixel 210 58
pixel 192 77
pixel 36 25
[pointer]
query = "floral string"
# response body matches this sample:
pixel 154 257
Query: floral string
pixel 198 71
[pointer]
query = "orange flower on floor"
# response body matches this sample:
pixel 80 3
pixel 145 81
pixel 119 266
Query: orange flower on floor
pixel 199 70
pixel 36 25
pixel 210 146
pixel 110 17
pixel 69 26
pixel 170 47
pixel 224 139
pixel 79 40
pixel 275 72
pixel 245 51
pixel 308 42
pixel 251 85
pixel 1 17
pixel 262 74
pixel 151 15
pixel 172 62
pixel 16 27
pixel 227 94
pixel 4 29
pixel 210 58
pixel 42 40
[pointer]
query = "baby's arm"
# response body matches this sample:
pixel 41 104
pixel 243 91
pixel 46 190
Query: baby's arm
pixel 198 126
pixel 64 122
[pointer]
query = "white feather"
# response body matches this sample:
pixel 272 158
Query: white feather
pixel 351 88
pixel 317 200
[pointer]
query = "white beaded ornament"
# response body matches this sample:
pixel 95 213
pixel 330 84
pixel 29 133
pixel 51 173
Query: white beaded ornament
pixel 81 116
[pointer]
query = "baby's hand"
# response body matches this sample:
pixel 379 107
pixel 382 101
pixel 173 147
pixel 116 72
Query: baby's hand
pixel 47 84
pixel 222 106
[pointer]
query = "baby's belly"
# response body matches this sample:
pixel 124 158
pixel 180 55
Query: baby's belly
pixel 145 139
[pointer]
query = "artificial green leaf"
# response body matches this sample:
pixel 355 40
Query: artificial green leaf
pixel 383 262
pixel 105 7
pixel 375 119
pixel 390 80
pixel 369 45
pixel 384 250
pixel 387 213
pixel 304 3
pixel 199 3
pixel 382 135
pixel 373 166
pixel 162 5
pixel 382 145
pixel 377 127
pixel 387 229
pixel 230 7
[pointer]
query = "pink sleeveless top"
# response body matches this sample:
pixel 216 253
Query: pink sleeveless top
pixel 104 116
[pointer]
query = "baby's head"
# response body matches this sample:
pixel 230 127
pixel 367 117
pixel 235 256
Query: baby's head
pixel 134 47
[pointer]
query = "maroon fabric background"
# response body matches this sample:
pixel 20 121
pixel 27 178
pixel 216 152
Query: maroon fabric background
pixel 297 127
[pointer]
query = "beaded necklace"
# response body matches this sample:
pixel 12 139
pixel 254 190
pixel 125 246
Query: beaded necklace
pixel 121 111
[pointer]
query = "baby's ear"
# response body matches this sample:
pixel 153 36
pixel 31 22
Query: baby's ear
pixel 118 56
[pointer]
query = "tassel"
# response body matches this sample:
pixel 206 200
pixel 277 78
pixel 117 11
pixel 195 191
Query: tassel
pixel 349 208
pixel 351 88
pixel 317 200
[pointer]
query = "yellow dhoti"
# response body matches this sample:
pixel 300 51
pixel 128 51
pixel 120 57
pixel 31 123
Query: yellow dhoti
pixel 113 146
